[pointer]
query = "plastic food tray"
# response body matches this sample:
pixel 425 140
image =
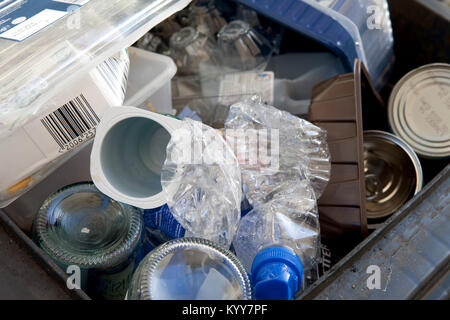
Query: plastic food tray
pixel 351 28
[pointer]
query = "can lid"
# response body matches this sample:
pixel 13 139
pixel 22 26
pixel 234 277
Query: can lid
pixel 277 274
pixel 419 110
pixel 393 173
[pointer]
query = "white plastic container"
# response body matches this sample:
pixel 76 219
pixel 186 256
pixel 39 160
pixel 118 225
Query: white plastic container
pixel 149 81
pixel 128 155
pixel 70 38
pixel 48 51
pixel 34 150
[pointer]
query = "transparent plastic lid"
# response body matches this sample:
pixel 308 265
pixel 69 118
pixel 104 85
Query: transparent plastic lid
pixel 50 44
pixel 190 269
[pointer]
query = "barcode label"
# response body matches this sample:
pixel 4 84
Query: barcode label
pixel 72 124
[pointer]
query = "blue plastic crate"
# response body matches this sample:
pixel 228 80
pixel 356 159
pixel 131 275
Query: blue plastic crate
pixel 353 29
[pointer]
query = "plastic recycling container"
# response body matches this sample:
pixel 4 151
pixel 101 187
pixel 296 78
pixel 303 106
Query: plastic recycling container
pixel 421 37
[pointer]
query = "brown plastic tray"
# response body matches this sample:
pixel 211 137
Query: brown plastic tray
pixel 337 107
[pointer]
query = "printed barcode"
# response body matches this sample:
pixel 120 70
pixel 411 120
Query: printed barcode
pixel 73 120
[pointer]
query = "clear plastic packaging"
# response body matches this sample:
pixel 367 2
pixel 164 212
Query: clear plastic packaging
pixel 48 142
pixel 152 43
pixel 189 48
pixel 276 222
pixel 206 18
pixel 290 221
pixel 298 150
pixel 211 96
pixel 279 240
pixel 149 81
pixel 35 69
pixel 205 171
pixel 354 29
pixel 243 48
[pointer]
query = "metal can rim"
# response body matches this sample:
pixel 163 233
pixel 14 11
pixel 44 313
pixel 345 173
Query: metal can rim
pixel 409 152
pixel 433 152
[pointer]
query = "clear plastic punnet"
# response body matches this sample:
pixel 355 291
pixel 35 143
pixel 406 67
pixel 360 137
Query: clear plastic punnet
pixel 203 170
pixel 289 149
pixel 61 42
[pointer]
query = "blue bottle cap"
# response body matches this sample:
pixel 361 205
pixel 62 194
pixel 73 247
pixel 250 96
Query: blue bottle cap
pixel 277 274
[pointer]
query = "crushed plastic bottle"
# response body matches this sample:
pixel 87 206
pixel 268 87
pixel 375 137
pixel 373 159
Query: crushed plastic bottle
pixel 278 243
pixel 299 151
pixel 279 240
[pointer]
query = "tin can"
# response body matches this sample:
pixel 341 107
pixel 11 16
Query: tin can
pixel 419 110
pixel 393 174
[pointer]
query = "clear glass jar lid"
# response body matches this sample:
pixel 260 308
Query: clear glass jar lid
pixel 190 269
pixel 234 30
pixel 79 225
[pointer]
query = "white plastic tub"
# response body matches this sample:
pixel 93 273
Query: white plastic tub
pixel 149 81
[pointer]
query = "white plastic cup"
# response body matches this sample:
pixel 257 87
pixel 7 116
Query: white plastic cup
pixel 128 155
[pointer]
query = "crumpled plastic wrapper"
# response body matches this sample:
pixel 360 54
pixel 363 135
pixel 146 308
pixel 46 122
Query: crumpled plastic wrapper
pixel 207 177
pixel 290 219
pixel 294 150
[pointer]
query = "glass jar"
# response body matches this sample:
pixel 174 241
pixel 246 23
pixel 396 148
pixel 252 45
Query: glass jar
pixel 79 226
pixel 190 269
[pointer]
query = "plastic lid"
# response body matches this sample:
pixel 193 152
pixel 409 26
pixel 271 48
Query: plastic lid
pixel 58 45
pixel 190 269
pixel 419 112
pixel 277 274
pixel 79 225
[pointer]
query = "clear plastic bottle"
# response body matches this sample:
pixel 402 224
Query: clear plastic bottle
pixel 190 269
pixel 278 242
pixel 80 226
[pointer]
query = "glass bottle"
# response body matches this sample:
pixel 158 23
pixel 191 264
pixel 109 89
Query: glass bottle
pixel 79 226
pixel 190 269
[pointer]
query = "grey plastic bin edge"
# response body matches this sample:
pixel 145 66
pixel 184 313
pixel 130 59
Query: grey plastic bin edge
pixel 41 260
pixel 412 249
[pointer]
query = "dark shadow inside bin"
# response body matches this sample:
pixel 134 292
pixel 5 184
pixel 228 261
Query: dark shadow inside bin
pixel 132 156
